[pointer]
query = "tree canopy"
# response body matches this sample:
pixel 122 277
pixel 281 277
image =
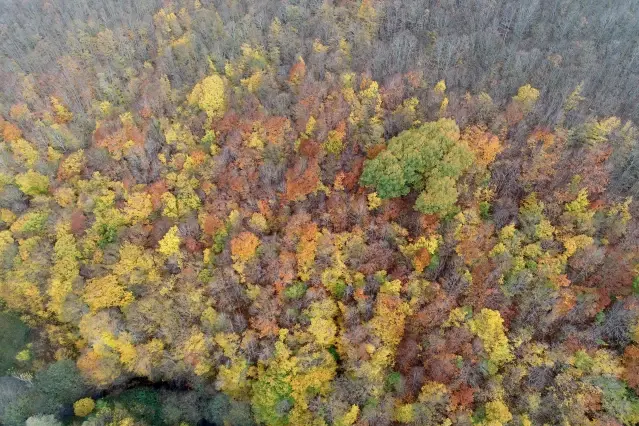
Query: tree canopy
pixel 351 213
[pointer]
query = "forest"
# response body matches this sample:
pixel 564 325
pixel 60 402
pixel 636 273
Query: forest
pixel 319 212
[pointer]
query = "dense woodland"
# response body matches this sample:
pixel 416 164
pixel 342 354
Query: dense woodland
pixel 367 213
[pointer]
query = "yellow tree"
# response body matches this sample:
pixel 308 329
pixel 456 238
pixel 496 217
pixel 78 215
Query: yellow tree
pixel 136 266
pixel 33 183
pixel 387 329
pixel 526 98
pixel 83 407
pixel 323 327
pixel 273 385
pixel 497 413
pixel 488 325
pixel 243 249
pixel 72 165
pixel 62 113
pixel 65 269
pixel 195 352
pixel 169 245
pixel 24 152
pixel 138 207
pixel 232 379
pixel 208 95
pixel 106 292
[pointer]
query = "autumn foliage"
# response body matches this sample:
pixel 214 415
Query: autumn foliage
pixel 282 232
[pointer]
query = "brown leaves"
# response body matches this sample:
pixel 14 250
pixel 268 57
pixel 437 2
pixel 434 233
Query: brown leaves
pixel 631 362
pixel 78 222
pixel 375 150
pixel 421 260
pixel 156 190
pixel 442 369
pixel 297 72
pixel 118 139
pixel 545 152
pixel 463 397
pixel 99 369
pixel 192 245
pixel 287 262
pixel 302 180
pixel 351 178
pixel 337 206
pixel 566 302
pixel 265 327
pixel 211 224
pixel 306 250
pixel 276 129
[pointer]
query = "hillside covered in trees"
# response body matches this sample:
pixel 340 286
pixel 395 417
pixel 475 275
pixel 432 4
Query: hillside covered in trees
pixel 319 212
